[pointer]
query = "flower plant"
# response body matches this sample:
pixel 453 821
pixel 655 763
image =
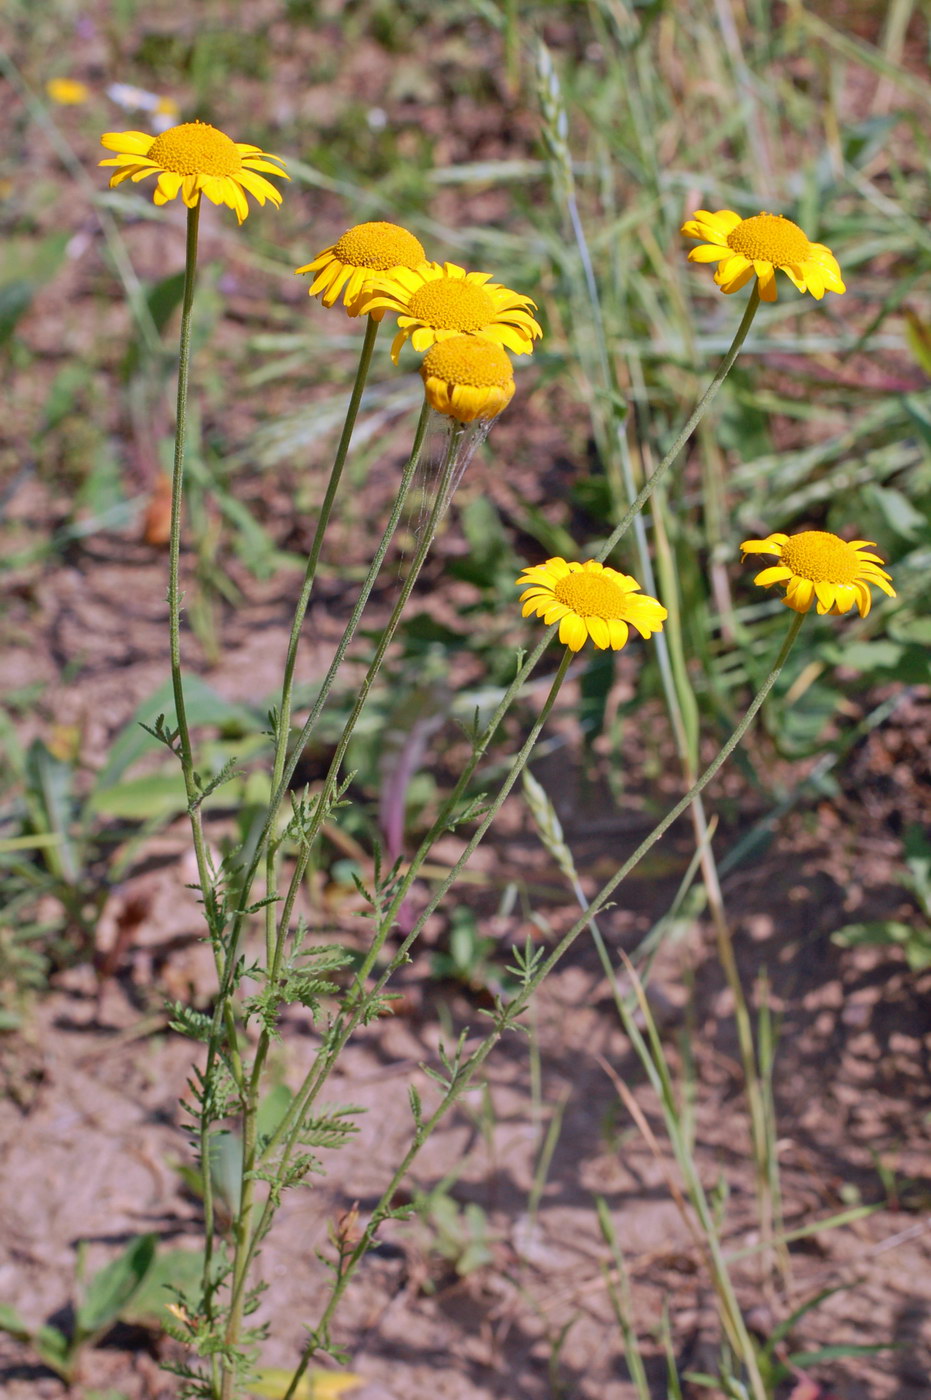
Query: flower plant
pixel 464 325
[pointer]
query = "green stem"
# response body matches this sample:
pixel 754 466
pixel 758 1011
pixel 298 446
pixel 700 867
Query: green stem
pixel 317 708
pixel 174 543
pixel 246 1253
pixel 183 733
pixel 682 437
pixel 441 501
pixel 283 726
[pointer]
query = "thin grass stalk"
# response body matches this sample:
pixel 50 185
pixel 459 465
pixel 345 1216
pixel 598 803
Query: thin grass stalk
pixel 680 702
pixel 622 1302
pixel 652 1058
pixel 545 1159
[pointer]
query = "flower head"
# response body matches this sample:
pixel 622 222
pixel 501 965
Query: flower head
pixel 745 248
pixel 194 159
pixel 67 92
pixel 467 377
pixel 589 600
pixel 348 265
pixel 436 301
pixel 816 566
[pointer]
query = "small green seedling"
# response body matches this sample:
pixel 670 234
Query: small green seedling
pixel 104 1301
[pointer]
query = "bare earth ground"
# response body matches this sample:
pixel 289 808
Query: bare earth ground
pixel 90 1127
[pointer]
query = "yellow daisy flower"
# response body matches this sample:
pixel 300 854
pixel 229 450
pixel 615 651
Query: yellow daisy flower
pixel 589 600
pixel 194 159
pixel 348 265
pixel 67 92
pixel 467 377
pixel 438 300
pixel 817 566
pixel 745 248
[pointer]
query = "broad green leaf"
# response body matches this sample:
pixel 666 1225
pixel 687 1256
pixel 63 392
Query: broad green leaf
pixel 226 1168
pixel 204 706
pixel 55 1350
pixel 11 1322
pixel 272 1109
pixel 139 799
pixel 49 799
pixel 28 264
pixel 173 1271
pixel 109 1291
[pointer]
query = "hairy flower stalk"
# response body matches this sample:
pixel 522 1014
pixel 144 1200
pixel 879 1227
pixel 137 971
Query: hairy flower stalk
pixel 283 723
pixel 253 1232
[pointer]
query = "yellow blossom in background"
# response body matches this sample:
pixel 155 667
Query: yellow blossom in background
pixel 817 566
pixel 467 377
pixel 589 600
pixel 67 92
pixel 194 159
pixel 436 301
pixel 756 247
pixel 348 265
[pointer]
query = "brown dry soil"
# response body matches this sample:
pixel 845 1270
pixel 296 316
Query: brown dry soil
pixel 90 1126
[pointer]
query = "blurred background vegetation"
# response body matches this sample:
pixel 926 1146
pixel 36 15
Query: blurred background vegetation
pixel 558 146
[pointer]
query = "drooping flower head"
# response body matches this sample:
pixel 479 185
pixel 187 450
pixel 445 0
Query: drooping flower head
pixel 194 159
pixel 816 566
pixel 348 265
pixel 436 301
pixel 467 377
pixel 745 248
pixel 589 600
